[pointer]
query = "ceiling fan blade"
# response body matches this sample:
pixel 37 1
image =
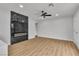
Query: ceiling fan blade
pixel 44 14
pixel 48 15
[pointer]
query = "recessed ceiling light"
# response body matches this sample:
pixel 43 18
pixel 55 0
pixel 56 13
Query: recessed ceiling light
pixel 57 14
pixel 21 6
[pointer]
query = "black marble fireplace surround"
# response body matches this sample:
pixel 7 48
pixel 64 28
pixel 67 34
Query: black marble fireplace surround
pixel 19 27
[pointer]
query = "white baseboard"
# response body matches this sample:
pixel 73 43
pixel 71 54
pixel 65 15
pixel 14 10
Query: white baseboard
pixel 57 38
pixel 76 44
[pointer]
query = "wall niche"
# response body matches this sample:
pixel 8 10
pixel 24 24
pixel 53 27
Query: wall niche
pixel 19 27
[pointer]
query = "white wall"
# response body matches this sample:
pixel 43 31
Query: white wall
pixel 3 49
pixel 5 25
pixel 32 29
pixel 76 28
pixel 60 28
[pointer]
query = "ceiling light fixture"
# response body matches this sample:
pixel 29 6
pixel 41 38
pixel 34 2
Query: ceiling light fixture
pixel 51 5
pixel 21 6
pixel 57 14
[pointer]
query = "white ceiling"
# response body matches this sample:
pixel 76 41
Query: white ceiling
pixel 34 9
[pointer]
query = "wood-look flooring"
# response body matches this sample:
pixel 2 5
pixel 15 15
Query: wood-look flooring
pixel 43 47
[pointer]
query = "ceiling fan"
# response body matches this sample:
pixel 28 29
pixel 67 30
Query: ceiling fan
pixel 44 14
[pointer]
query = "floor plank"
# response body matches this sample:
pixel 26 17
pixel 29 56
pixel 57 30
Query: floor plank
pixel 43 47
